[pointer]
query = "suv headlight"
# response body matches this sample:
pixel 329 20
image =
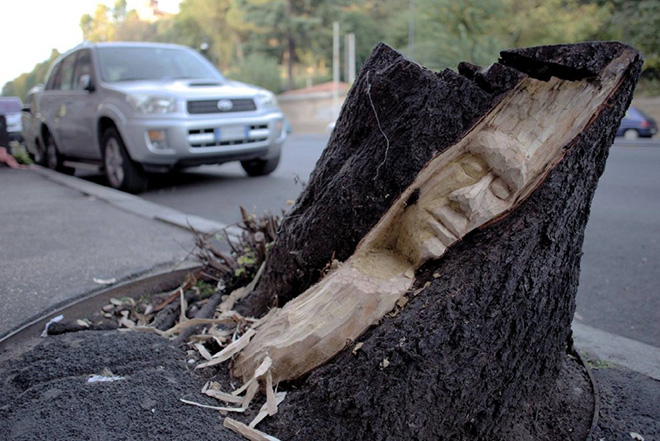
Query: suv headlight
pixel 152 104
pixel 267 99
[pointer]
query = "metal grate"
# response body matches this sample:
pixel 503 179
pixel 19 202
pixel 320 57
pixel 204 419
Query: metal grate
pixel 211 106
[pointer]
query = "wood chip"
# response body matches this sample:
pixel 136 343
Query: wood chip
pixel 271 403
pixel 263 367
pixel 263 412
pixel 206 406
pixel 223 396
pixel 357 348
pixel 247 431
pixel 230 350
pixel 242 389
pixel 249 395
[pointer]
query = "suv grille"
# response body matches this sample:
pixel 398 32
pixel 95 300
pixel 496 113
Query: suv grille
pixel 207 138
pixel 211 106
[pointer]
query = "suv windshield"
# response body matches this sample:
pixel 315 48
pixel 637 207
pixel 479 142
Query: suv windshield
pixel 152 63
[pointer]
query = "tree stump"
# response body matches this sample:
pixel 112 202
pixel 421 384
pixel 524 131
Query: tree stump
pixel 457 204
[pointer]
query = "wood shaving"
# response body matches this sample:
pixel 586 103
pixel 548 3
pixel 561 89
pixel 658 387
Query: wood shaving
pixel 263 412
pixel 222 320
pixel 223 396
pixel 230 350
pixel 271 403
pixel 249 395
pixel 206 406
pixel 203 351
pixel 357 347
pixel 263 367
pixel 247 431
pixel 184 307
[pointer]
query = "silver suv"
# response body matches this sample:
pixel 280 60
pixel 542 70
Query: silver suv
pixel 138 108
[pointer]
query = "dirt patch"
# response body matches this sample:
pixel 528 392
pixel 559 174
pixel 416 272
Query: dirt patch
pixel 629 404
pixel 46 393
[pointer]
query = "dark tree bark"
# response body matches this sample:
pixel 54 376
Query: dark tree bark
pixel 479 349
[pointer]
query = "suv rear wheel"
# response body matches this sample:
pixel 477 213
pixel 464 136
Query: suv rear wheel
pixel 53 158
pixel 261 167
pixel 120 170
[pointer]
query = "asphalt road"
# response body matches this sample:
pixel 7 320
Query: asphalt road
pixel 620 283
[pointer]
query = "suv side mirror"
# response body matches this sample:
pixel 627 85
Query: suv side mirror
pixel 85 83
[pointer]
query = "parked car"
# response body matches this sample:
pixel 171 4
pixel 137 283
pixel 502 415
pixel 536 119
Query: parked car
pixel 31 125
pixel 636 124
pixel 136 108
pixel 10 107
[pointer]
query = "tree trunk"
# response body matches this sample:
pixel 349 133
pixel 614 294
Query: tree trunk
pixel 457 203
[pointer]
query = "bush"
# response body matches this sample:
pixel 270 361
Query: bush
pixel 259 70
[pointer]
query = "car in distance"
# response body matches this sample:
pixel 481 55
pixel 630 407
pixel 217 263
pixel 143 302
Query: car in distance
pixel 138 108
pixel 636 124
pixel 10 107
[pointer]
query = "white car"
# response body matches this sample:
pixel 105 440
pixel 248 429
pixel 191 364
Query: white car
pixel 10 107
pixel 135 108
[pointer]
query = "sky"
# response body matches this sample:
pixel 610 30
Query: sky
pixel 30 29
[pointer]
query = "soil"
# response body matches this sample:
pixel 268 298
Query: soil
pixel 46 394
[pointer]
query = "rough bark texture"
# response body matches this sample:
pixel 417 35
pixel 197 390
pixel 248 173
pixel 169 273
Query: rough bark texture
pixel 477 351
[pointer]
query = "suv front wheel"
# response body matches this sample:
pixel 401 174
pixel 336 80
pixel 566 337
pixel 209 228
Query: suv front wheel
pixel 261 167
pixel 120 170
pixel 53 158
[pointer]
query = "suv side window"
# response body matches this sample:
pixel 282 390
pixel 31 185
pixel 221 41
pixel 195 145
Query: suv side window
pixel 83 68
pixel 54 80
pixel 63 74
pixel 67 72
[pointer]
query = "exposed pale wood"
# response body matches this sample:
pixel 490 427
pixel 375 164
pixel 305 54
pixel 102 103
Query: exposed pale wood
pixel 478 180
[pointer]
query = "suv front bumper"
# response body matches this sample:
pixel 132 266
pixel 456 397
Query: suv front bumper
pixel 171 143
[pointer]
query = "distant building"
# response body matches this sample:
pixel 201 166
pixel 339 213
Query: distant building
pixel 148 10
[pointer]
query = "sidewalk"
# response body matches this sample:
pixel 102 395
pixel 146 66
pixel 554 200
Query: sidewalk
pixel 59 244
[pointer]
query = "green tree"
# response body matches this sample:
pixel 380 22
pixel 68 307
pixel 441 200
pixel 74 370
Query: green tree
pixel 635 22
pixel 98 27
pixel 448 31
pixel 220 24
pixel 293 30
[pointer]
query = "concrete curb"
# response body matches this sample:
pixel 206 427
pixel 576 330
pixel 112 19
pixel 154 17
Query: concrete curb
pixel 616 349
pixel 138 206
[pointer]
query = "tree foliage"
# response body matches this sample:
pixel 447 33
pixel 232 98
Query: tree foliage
pixel 297 34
